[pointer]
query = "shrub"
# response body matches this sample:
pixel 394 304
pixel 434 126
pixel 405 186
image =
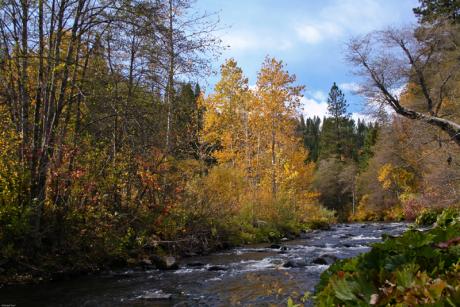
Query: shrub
pixel 418 268
pixel 427 217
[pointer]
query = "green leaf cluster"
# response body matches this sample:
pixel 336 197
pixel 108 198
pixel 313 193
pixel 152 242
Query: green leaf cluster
pixel 417 268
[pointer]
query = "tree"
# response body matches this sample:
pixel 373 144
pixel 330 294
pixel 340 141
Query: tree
pixel 277 102
pixel 227 119
pixel 187 121
pixel 311 137
pixel 334 182
pixel 187 41
pixel 337 104
pixel 336 127
pixel 94 77
pixel 432 10
pixel 403 61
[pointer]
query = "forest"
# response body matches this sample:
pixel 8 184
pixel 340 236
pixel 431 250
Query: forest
pixel 111 153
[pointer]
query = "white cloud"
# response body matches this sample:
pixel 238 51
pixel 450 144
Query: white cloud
pixel 315 33
pixel 309 34
pixel 318 107
pixel 350 86
pixel 367 118
pixel 319 95
pixel 346 17
pixel 312 107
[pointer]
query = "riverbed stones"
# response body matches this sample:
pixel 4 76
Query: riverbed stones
pixel 325 259
pixel 217 268
pixel 164 262
pixel 295 263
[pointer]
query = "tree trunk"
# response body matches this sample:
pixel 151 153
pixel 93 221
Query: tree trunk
pixel 273 153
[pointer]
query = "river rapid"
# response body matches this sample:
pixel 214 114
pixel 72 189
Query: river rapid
pixel 256 275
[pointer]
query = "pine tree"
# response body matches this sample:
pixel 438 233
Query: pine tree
pixel 432 10
pixel 186 121
pixel 311 137
pixel 336 127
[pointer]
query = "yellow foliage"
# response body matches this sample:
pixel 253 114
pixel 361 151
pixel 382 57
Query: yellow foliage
pixel 11 174
pixel 396 178
pixel 364 212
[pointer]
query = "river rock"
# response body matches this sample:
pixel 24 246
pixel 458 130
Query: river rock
pixel 284 239
pixel 146 261
pixel 146 264
pixel 325 259
pixel 164 262
pixel 217 268
pixel 131 261
pixel 275 246
pixel 295 263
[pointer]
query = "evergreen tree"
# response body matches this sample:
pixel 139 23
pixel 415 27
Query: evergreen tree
pixel 186 120
pixel 336 127
pixel 432 10
pixel 366 149
pixel 311 137
pixel 336 103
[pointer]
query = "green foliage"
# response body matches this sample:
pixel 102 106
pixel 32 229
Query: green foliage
pixel 432 10
pixel 416 268
pixel 427 217
pixel 311 131
pixel 448 216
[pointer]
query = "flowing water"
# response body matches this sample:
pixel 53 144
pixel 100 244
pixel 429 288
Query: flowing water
pixel 256 275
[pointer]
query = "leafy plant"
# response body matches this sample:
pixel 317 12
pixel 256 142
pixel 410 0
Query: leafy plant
pixel 416 268
pixel 427 217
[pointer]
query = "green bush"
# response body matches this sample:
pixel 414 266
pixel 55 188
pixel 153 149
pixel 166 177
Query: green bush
pixel 418 268
pixel 427 217
pixel 448 216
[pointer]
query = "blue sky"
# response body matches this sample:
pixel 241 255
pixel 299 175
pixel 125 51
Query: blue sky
pixel 309 36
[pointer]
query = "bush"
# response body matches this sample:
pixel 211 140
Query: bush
pixel 448 216
pixel 427 217
pixel 364 212
pixel 418 268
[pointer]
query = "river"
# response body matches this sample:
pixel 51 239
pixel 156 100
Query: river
pixel 256 275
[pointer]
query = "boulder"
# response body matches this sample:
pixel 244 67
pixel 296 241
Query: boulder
pixel 325 259
pixel 217 268
pixel 146 261
pixel 131 261
pixel 146 264
pixel 275 246
pixel 295 263
pixel 164 262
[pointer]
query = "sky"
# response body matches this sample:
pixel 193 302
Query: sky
pixel 309 36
